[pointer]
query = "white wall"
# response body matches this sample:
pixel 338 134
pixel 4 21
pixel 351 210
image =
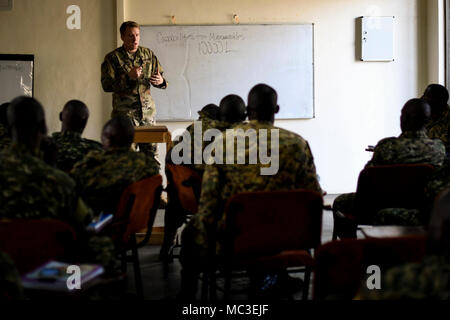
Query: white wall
pixel 356 103
pixel 436 41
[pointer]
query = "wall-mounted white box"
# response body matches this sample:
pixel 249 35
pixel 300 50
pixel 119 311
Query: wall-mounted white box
pixel 376 38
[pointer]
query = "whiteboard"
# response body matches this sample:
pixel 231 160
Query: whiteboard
pixel 205 63
pixel 16 76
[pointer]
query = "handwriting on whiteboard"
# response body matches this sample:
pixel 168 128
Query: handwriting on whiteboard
pixel 207 44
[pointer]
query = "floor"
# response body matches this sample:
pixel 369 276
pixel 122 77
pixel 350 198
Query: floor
pixel 158 287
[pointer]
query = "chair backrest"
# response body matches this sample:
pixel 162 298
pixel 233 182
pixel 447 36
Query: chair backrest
pixel 138 206
pixel 260 223
pixel 31 243
pixel 392 186
pixel 342 265
pixel 185 183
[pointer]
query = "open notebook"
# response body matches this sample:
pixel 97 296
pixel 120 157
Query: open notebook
pixel 54 275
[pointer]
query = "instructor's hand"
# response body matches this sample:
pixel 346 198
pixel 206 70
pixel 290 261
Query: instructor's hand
pixel 135 73
pixel 156 79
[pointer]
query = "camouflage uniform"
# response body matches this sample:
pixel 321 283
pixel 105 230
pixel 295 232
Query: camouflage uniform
pixel 10 283
pixel 426 280
pixel 5 139
pixel 32 189
pixel 131 98
pixel 174 216
pixel 409 147
pixel 438 129
pixel 220 182
pixel 71 148
pixel 196 144
pixel 102 176
pixel 438 182
pixel 213 124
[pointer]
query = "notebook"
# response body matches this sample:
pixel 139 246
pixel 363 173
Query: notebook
pixel 53 276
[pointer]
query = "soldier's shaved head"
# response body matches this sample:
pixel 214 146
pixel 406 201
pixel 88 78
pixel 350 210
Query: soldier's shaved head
pixel 232 109
pixel 262 103
pixel 118 133
pixel 415 113
pixel 27 121
pixel 437 97
pixel 211 111
pixel 74 116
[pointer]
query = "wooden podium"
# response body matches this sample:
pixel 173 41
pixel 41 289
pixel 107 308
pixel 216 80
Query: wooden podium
pixel 153 134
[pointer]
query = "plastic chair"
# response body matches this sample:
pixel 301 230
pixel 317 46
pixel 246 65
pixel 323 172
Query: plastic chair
pixel 183 189
pixel 390 186
pixel 342 265
pixel 32 242
pixel 271 231
pixel 136 211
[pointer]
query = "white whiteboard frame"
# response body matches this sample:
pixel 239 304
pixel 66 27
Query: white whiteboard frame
pixel 255 24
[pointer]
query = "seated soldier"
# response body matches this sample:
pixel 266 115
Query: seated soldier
pixel 412 146
pixel 31 189
pixel 102 176
pixel 47 146
pixel 208 117
pixel 429 278
pixel 230 112
pixel 438 182
pixel 70 146
pixel 437 127
pixel 294 169
pixel 5 136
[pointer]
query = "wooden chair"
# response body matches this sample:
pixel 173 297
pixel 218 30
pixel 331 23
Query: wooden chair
pixel 342 265
pixel 271 231
pixel 31 243
pixel 183 189
pixel 390 186
pixel 136 211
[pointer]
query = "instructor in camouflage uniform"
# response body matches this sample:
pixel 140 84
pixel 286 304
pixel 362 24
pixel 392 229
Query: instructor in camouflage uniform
pixel 129 72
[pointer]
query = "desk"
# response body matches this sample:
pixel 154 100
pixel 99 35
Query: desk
pixel 391 231
pixel 153 134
